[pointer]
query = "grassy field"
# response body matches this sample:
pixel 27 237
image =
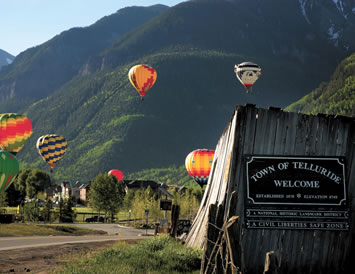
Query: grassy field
pixel 81 213
pixel 84 212
pixel 44 230
pixel 155 255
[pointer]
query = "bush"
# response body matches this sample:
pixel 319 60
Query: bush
pixel 32 211
pixel 155 255
pixel 67 214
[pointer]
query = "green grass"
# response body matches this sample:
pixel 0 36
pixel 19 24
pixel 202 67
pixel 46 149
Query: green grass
pixel 8 210
pixel 81 213
pixel 155 255
pixel 85 212
pixel 7 230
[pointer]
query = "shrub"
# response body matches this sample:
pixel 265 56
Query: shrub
pixel 155 255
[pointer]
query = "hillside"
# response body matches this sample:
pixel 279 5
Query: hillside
pixel 334 97
pixel 295 54
pixel 5 58
pixel 107 126
pixel 39 71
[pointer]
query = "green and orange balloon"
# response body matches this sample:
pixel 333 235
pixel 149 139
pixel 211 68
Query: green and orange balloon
pixel 9 168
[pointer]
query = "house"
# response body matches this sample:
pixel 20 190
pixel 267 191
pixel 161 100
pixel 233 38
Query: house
pixel 84 189
pixel 66 190
pixel 77 190
pixel 160 189
pixel 52 192
pixel 178 188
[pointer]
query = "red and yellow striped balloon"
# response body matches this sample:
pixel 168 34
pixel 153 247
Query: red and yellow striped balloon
pixel 15 129
pixel 142 77
pixel 198 164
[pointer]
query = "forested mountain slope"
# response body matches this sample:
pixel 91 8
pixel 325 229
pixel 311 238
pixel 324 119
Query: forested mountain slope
pixel 335 97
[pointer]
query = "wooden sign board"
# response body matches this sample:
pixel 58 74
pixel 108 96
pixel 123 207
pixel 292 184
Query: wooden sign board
pixel 296 181
pixel 296 193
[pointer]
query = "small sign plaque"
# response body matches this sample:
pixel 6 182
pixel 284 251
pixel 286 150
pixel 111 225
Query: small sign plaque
pixel 306 224
pixel 296 214
pixel 165 204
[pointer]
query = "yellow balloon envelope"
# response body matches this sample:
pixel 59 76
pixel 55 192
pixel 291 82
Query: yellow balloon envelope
pixel 198 164
pixel 142 77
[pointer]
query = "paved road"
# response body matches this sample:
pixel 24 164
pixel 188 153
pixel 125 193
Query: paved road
pixel 115 232
pixel 114 229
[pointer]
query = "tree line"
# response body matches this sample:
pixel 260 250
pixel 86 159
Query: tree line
pixel 106 194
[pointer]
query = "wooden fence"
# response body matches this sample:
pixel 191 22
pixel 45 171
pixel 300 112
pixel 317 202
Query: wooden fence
pixel 222 225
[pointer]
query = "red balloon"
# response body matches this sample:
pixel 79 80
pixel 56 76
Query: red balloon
pixel 117 173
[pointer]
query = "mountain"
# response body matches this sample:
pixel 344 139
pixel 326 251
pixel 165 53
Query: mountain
pixel 194 47
pixel 39 71
pixel 296 53
pixel 335 97
pixel 5 58
pixel 253 28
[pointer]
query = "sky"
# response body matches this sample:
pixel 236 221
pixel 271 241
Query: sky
pixel 28 23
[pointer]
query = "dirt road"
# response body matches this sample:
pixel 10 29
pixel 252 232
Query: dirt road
pixel 39 254
pixel 43 259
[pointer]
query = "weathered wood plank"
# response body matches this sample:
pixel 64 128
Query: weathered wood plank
pixel 321 136
pixel 271 263
pixel 281 122
pixel 215 234
pixel 330 249
pixel 275 132
pixel 233 243
pixel 254 249
pixel 306 248
pixel 235 159
pixel 248 135
pixel 301 133
pixel 210 238
pixel 265 143
pixel 339 246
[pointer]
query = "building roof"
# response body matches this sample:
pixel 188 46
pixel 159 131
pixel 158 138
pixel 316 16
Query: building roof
pixel 75 184
pixel 136 184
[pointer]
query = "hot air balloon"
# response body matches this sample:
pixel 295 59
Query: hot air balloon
pixel 9 168
pixel 15 129
pixel 247 73
pixel 142 77
pixel 117 173
pixel 198 164
pixel 52 148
